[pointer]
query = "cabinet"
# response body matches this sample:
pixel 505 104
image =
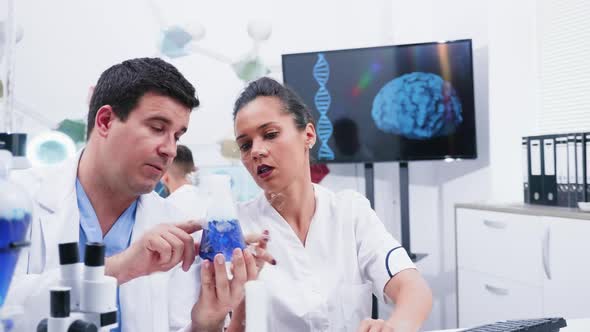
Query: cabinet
pixel 566 282
pixel 521 262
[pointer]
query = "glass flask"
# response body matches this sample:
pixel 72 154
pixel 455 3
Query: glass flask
pixel 221 230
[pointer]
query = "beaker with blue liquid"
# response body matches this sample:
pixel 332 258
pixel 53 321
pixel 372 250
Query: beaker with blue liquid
pixel 221 230
pixel 15 218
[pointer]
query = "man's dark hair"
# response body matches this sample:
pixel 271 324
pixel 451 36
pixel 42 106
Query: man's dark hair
pixel 268 87
pixel 184 160
pixel 122 85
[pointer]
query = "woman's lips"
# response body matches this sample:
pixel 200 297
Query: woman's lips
pixel 264 171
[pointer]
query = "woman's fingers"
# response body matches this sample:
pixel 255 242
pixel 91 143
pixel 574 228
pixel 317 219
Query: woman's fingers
pixel 251 266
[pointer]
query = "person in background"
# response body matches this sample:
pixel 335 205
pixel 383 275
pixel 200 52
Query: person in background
pixel 138 111
pixel 182 193
pixel 161 189
pixel 332 249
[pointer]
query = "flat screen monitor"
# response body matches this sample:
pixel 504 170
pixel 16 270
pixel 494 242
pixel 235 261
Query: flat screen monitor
pixel 390 103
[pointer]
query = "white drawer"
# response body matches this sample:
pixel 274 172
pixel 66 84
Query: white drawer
pixel 501 244
pixel 484 299
pixel 567 283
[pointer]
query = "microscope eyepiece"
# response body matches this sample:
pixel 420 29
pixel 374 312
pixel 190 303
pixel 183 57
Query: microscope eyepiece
pixel 16 143
pixel 94 255
pixel 59 302
pixel 68 253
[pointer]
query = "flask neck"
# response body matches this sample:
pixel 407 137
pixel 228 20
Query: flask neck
pixel 221 206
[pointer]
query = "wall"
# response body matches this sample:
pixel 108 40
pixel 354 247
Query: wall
pixel 67 44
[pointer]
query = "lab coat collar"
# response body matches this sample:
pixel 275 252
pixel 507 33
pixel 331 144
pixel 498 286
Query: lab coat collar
pixel 59 216
pixel 148 214
pixel 59 185
pixel 61 221
pixel 267 209
pixel 279 224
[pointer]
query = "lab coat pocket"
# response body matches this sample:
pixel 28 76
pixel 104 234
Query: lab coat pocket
pixel 355 305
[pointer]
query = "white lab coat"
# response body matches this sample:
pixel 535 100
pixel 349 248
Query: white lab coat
pixel 146 304
pixel 192 203
pixel 326 285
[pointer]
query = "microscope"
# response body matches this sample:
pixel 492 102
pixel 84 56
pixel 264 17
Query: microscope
pixel 84 300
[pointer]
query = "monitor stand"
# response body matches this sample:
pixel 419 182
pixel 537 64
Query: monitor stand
pixel 404 200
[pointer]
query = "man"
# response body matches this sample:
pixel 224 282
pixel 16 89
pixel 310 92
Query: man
pixel 183 194
pixel 138 110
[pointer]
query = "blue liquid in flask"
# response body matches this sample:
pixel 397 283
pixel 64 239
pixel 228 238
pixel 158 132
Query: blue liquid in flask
pixel 221 237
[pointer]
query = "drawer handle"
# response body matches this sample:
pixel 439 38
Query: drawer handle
pixel 494 224
pixel 546 256
pixel 497 290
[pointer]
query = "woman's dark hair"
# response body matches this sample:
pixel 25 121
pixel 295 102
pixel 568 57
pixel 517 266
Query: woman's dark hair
pixel 267 87
pixel 122 85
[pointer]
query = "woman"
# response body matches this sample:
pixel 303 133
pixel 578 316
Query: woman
pixel 332 250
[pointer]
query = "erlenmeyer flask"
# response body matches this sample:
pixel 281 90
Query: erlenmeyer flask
pixel 221 231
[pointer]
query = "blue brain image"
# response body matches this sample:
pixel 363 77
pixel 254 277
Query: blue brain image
pixel 417 106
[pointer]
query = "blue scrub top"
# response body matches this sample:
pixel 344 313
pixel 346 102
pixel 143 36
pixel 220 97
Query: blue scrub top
pixel 117 239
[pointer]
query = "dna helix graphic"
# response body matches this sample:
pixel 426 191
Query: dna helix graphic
pixel 321 73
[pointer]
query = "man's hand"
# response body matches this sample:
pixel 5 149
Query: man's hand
pixel 218 294
pixel 160 249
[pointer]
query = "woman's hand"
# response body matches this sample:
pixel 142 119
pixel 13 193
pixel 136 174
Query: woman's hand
pixel 257 245
pixel 380 325
pixel 375 325
pixel 219 295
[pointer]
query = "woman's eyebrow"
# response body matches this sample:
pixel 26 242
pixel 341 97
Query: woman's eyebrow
pixel 262 126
